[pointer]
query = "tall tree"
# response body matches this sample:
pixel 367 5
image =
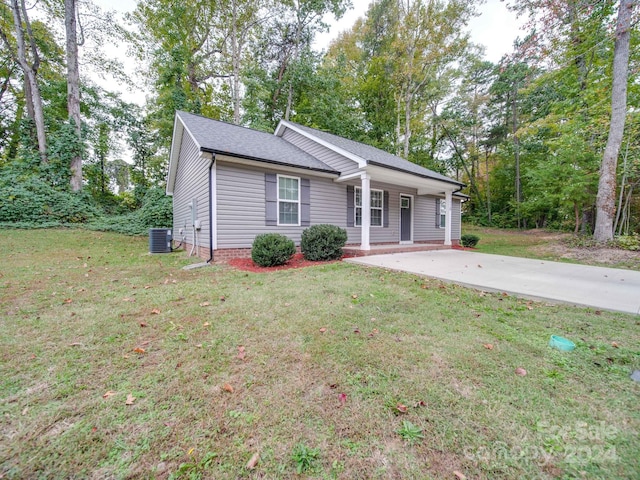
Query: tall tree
pixel 73 87
pixel 28 58
pixel 606 201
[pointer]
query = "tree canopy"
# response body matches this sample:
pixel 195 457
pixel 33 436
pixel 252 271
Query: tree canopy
pixel 526 135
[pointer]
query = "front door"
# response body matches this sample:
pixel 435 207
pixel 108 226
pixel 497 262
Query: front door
pixel 405 218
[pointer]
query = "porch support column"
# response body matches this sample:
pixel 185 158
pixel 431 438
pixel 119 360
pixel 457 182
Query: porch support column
pixel 366 212
pixel 447 220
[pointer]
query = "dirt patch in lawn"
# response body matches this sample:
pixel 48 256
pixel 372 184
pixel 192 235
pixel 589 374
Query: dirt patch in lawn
pixel 615 257
pixel 297 261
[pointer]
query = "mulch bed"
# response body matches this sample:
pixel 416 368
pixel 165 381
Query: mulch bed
pixel 297 261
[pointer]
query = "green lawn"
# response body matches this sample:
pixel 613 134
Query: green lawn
pixel 345 372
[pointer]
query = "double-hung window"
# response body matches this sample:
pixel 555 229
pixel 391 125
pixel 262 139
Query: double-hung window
pixel 288 200
pixel 443 213
pixel 377 207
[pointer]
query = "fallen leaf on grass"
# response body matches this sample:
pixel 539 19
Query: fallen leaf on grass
pixel 205 304
pixel 110 393
pixel 342 398
pixel 421 403
pixel 615 345
pixel 75 344
pixel 521 371
pixel 24 411
pixel 488 346
pixel 241 352
pixel 253 461
pixel 67 301
pixel 323 329
pixel 127 299
pixel 139 350
pixel 155 311
pixel 222 298
pixel 401 408
pixel 356 330
pixel 227 388
pixel 206 324
pixel 354 296
pixel 143 324
pixel 459 475
pixel 130 399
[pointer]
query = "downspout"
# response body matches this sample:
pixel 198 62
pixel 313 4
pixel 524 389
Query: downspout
pixel 213 159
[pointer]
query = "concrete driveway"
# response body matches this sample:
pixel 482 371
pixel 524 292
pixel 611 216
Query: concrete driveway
pixel 598 287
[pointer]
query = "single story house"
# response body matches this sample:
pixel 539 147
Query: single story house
pixel 231 183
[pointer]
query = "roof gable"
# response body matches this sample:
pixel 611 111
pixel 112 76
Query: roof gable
pixel 366 154
pixel 216 137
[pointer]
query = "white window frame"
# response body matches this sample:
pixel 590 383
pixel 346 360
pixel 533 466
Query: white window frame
pixel 356 207
pixel 442 214
pixel 284 200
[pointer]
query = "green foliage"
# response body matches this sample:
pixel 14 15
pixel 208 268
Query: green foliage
pixel 409 432
pixel 469 240
pixel 304 457
pixel 28 200
pixel 323 242
pixel 271 249
pixel 629 242
pixel 156 212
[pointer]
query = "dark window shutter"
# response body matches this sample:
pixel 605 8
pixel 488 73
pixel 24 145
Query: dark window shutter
pixel 437 213
pixel 351 211
pixel 385 209
pixel 305 202
pixel 271 198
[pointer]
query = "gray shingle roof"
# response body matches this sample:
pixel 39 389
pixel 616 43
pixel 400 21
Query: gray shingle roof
pixel 219 137
pixel 375 156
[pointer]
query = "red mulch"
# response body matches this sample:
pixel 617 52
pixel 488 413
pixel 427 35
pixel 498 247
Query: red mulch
pixel 460 247
pixel 297 261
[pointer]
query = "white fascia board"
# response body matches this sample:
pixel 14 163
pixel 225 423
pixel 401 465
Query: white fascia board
pixel 424 186
pixel 351 176
pixel 351 156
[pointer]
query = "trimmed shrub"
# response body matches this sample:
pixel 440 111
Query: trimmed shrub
pixel 271 249
pixel 323 242
pixel 469 240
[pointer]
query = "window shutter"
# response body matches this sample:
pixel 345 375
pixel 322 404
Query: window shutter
pixel 385 209
pixel 271 198
pixel 351 211
pixel 305 202
pixel 437 213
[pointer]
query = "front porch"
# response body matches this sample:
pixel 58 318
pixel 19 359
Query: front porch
pixel 356 250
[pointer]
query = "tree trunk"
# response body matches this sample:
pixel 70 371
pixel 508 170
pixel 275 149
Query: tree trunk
pixel 606 199
pixel 516 150
pixel 407 123
pixel 73 88
pixel 34 99
pixel 235 59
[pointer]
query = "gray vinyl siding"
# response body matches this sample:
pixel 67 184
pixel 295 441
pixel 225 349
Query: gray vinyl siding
pixel 192 181
pixel 425 220
pixel 336 161
pixel 456 224
pixel 240 200
pixel 391 233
